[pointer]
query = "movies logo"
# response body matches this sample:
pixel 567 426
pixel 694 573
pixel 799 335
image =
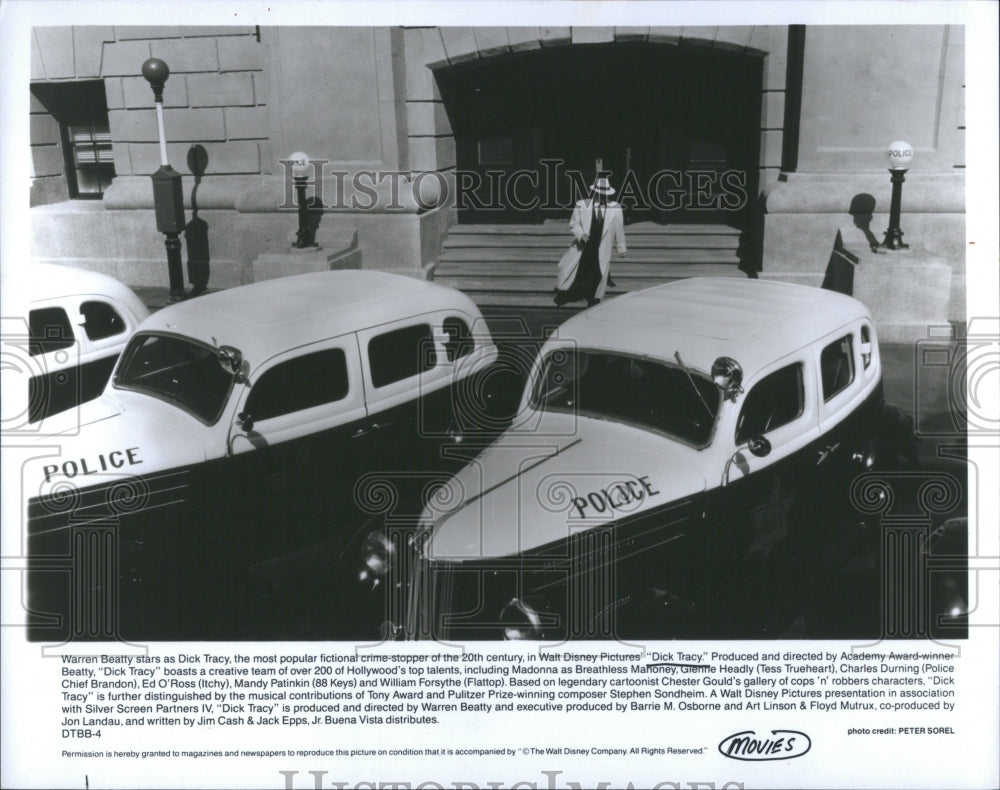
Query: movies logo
pixel 779 745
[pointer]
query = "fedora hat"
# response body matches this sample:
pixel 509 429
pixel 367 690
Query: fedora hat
pixel 603 187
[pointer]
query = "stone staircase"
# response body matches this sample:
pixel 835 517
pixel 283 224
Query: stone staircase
pixel 516 264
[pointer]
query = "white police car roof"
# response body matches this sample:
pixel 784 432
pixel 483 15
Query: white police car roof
pixel 754 321
pixel 272 316
pixel 51 281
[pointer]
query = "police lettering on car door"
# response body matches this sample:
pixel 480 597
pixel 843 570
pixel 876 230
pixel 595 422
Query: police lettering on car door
pixel 223 433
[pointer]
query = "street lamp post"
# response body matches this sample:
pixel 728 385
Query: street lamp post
pixel 300 175
pixel 168 194
pixel 899 155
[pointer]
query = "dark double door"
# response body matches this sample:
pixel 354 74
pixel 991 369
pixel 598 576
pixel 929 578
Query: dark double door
pixel 523 124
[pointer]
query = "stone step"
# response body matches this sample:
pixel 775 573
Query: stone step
pixel 544 282
pixel 515 256
pixel 561 228
pixel 515 265
pixel 544 285
pixel 620 269
pixel 644 241
pixel 535 295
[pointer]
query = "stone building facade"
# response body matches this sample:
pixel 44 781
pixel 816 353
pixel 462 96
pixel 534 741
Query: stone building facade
pixel 396 115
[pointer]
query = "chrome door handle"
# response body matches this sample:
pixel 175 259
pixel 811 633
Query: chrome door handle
pixel 826 452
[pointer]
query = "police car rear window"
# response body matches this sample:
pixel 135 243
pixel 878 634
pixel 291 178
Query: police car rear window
pixel 401 353
pixel 101 320
pixel 837 364
pixel 459 341
pixel 49 329
pixel 300 383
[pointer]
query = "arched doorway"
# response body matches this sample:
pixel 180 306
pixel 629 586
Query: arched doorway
pixel 677 127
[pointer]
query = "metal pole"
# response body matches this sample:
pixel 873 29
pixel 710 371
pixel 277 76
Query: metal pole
pixel 159 125
pixel 175 271
pixel 302 235
pixel 894 235
pixel 168 200
pixel 172 242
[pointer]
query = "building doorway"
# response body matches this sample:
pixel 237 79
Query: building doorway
pixel 677 127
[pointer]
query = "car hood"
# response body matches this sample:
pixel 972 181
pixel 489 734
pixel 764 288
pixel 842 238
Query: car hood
pixel 568 474
pixel 117 435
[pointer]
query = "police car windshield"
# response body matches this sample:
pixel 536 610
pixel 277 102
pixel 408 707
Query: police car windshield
pixel 635 390
pixel 182 372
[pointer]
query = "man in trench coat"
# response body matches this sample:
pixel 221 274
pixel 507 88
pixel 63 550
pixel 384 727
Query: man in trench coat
pixel 579 225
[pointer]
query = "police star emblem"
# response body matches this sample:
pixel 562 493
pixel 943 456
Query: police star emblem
pixel 771 520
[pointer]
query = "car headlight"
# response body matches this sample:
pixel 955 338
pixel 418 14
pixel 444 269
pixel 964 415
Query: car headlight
pixel 950 578
pixel 377 553
pixel 524 619
pixel 949 599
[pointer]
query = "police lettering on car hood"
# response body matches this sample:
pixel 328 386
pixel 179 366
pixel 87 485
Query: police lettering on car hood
pixel 120 434
pixel 674 448
pixel 570 473
pixel 639 403
pixel 234 425
pixel 179 407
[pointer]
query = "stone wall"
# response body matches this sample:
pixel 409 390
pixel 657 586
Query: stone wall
pixel 248 97
pixel 367 99
pixel 216 94
pixel 909 85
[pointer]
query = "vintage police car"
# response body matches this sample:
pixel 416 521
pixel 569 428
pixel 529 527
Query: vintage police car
pixel 231 436
pixel 78 323
pixel 682 465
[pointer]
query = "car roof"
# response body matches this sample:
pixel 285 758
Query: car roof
pixel 752 320
pixel 51 281
pixel 272 316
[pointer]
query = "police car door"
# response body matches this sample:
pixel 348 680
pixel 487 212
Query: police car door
pixel 763 490
pixel 406 373
pixel 849 411
pixel 295 431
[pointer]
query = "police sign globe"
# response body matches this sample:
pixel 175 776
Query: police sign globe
pixel 899 155
pixel 300 164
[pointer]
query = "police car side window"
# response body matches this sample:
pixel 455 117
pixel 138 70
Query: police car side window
pixel 101 320
pixel 400 354
pixel 459 342
pixel 837 365
pixel 866 345
pixel 776 400
pixel 300 383
pixel 49 330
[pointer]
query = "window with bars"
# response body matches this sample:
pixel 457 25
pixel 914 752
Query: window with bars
pixel 81 110
pixel 88 152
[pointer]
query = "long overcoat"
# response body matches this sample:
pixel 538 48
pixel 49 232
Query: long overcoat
pixel 579 225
